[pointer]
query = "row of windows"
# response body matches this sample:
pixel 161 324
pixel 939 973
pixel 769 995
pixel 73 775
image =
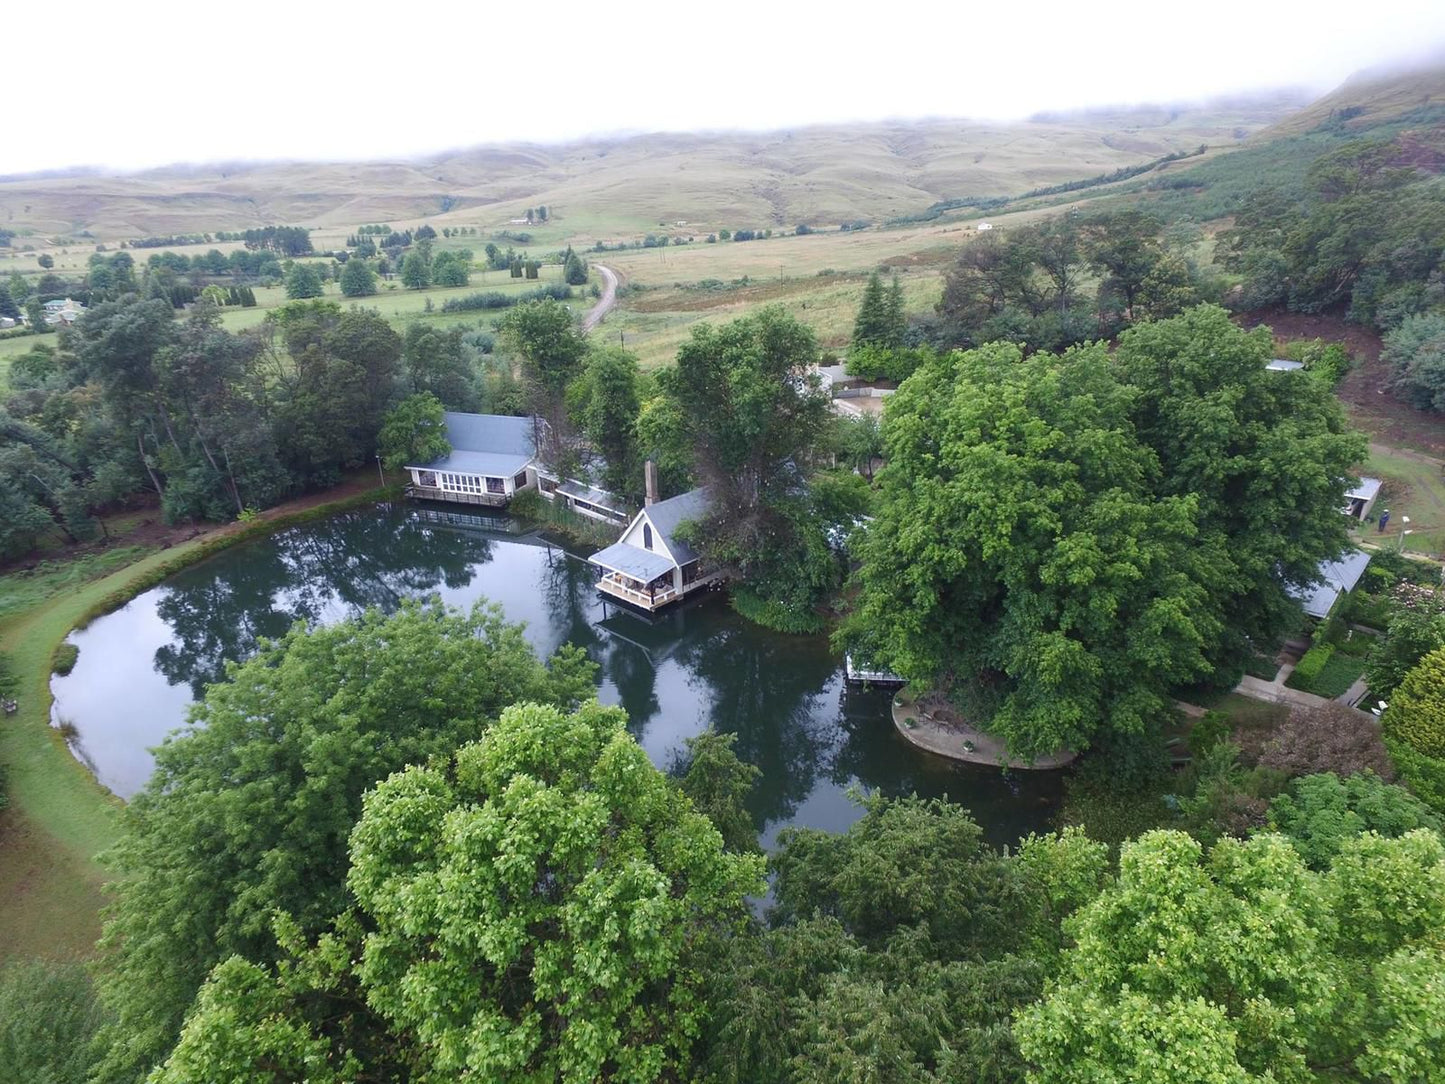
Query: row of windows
pixel 463 483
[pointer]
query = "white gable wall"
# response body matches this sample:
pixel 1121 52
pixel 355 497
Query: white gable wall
pixel 633 536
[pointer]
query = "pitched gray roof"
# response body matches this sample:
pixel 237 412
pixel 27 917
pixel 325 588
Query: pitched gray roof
pixel 667 515
pixel 1335 579
pixel 490 444
pixel 640 564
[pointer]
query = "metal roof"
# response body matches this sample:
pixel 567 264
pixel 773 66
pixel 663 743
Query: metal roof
pixel 668 515
pixel 1365 491
pixel 592 495
pixel 640 564
pixel 498 445
pixel 1280 365
pixel 1335 579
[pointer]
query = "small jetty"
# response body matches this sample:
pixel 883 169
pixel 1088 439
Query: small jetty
pixel 861 675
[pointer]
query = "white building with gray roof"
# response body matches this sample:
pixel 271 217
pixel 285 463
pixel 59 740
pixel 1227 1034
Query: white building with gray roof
pixel 650 566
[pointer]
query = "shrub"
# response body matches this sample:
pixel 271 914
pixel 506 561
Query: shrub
pixel 65 656
pixel 1312 662
pixel 1322 811
pixel 1416 716
pixel 1328 738
pixel 1208 731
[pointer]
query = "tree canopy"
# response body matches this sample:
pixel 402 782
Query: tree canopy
pixel 1062 540
pixel 532 910
pixel 250 808
pixel 750 413
pixel 1158 986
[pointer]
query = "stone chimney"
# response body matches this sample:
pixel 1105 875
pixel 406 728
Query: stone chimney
pixel 649 473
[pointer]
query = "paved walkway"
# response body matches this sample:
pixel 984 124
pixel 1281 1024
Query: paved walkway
pixel 958 741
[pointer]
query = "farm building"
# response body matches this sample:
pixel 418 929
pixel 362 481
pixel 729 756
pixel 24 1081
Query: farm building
pixel 1336 579
pixel 1360 500
pixel 649 566
pixel 493 457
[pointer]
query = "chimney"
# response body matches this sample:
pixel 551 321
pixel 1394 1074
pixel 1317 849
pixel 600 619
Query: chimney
pixel 649 473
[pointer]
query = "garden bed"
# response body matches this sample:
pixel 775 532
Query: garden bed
pixel 1339 672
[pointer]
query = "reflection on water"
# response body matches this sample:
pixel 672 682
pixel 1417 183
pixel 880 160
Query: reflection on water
pixel 692 668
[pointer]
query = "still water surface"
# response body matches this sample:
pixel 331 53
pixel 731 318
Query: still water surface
pixel 699 666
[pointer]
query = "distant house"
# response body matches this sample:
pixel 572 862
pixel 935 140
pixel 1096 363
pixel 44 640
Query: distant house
pixel 493 457
pixel 1360 500
pixel 1281 365
pixel 6 321
pixel 982 226
pixel 63 312
pixel 1335 579
pixel 649 566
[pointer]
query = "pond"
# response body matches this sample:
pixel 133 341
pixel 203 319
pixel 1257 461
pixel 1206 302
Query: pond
pixel 700 666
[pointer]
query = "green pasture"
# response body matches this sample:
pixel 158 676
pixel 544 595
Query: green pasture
pixel 1414 487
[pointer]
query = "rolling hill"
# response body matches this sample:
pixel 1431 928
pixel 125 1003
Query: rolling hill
pixel 622 185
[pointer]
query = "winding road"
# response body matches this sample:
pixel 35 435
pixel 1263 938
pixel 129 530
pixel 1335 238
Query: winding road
pixel 605 302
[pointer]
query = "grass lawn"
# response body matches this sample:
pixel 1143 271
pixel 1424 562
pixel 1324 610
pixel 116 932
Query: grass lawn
pixel 1338 674
pixel 13 348
pixel 1414 487
pixel 59 819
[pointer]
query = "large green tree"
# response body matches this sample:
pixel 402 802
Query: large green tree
pixel 414 432
pixel 249 809
pixel 550 349
pixel 358 278
pixel 303 281
pixel 1263 458
pixel 1414 728
pixel 529 910
pixel 607 409
pixel 752 415
pixel 1020 557
pixel 1245 966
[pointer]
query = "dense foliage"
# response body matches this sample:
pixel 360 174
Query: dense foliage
pixel 1414 728
pixel 530 909
pixel 1156 987
pixel 749 412
pixel 1060 540
pixel 249 810
pixel 1365 237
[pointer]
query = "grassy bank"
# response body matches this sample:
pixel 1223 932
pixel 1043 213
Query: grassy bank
pixel 60 818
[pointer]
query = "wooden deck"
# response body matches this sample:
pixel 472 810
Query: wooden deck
pixel 647 600
pixel 434 493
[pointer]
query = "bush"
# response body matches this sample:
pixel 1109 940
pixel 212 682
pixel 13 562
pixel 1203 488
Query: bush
pixel 1328 738
pixel 1208 731
pixel 1423 774
pixel 1416 714
pixel 1263 667
pixel 65 656
pixel 1339 672
pixel 49 1016
pixel 1322 812
pixel 1311 664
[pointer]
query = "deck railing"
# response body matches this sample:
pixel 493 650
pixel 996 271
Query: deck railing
pixel 648 600
pixel 435 493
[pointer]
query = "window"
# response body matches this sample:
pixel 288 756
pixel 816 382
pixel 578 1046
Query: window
pixel 494 485
pixel 520 482
pixel 647 536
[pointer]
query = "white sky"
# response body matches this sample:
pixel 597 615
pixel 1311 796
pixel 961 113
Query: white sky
pixel 157 81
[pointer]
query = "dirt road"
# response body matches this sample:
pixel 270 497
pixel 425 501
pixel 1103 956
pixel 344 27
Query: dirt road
pixel 605 302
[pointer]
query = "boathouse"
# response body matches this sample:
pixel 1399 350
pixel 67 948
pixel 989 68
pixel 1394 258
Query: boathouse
pixel 649 566
pixel 493 457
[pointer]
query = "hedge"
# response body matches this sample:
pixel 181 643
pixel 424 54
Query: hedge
pixel 1311 663
pixel 1416 716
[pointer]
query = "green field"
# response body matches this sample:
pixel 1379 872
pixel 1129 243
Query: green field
pixel 1414 487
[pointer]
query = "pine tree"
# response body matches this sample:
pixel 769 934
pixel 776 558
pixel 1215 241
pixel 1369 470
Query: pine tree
pixel 896 322
pixel 871 326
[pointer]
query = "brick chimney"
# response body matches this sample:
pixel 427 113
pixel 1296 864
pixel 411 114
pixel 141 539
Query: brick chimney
pixel 649 473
